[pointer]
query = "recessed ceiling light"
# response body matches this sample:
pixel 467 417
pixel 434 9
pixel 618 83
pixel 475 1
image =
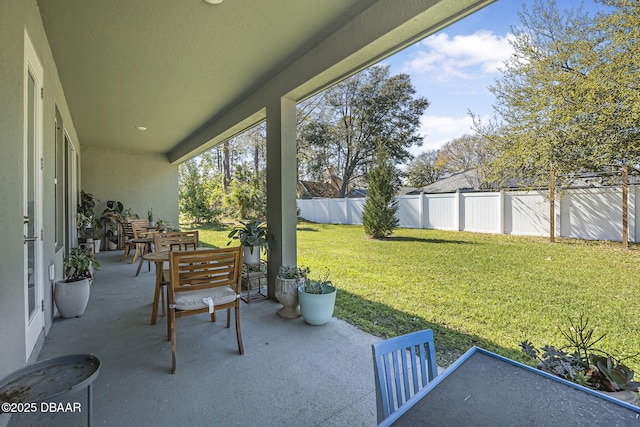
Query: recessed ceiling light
pixel 141 128
pixel 213 1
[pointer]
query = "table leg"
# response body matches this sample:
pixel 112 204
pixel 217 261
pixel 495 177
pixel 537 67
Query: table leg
pixel 89 404
pixel 145 249
pixel 156 294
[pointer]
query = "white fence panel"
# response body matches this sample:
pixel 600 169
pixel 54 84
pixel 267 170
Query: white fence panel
pixel 339 211
pixel 322 212
pixel 526 213
pixel 594 214
pixel 307 209
pixel 356 206
pixel 409 211
pixel 441 211
pixel 480 212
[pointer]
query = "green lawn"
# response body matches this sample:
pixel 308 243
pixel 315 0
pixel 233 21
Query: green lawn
pixel 475 289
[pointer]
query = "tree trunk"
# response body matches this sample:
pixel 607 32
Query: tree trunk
pixel 226 167
pixel 625 208
pixel 552 206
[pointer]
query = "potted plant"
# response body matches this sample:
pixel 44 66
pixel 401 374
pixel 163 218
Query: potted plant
pixel 112 215
pixel 87 203
pixel 152 223
pixel 71 294
pixel 253 236
pixel 317 300
pixel 83 224
pixel 288 280
pixel 96 226
pixel 129 214
pixel 581 362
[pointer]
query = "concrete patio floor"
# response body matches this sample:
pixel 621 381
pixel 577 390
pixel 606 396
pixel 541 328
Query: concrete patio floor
pixel 291 374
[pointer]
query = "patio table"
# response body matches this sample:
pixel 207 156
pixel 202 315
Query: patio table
pixel 485 389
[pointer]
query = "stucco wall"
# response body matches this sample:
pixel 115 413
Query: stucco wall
pixel 12 328
pixel 138 180
pixel 16 16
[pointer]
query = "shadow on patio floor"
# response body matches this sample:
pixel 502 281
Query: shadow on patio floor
pixel 291 374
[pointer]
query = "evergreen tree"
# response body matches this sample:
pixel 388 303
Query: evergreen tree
pixel 379 215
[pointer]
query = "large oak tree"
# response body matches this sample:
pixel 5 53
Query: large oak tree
pixel 355 116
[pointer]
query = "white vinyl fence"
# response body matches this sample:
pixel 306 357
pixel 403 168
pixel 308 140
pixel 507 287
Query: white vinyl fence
pixel 590 213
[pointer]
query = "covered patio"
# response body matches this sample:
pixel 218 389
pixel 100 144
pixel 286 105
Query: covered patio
pixel 109 98
pixel 291 373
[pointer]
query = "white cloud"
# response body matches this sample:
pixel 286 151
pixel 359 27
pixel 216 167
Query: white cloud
pixel 438 130
pixel 462 56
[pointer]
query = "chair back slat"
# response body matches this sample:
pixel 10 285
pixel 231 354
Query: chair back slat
pixel 403 366
pixel 139 226
pixel 176 240
pixel 127 230
pixel 203 269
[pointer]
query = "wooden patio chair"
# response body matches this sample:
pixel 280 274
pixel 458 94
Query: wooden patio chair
pixel 204 281
pixel 403 366
pixel 131 230
pixel 176 240
pixel 171 241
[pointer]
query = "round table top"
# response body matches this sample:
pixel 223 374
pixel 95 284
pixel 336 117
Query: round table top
pixel 50 378
pixel 156 256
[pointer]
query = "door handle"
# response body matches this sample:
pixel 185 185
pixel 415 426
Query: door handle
pixel 26 219
pixel 30 239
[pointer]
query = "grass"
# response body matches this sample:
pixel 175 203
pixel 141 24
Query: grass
pixel 489 290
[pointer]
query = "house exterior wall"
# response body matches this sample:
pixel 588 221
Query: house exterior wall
pixel 138 180
pixel 18 16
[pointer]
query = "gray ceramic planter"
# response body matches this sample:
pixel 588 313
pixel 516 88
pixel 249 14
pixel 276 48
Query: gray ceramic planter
pixel 71 298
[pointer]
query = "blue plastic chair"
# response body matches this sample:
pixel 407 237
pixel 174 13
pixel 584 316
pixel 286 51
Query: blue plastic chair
pixel 403 366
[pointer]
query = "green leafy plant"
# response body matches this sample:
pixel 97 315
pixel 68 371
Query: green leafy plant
pixel 293 272
pixel 77 265
pixel 84 224
pixel 111 215
pixel 250 234
pixel 87 203
pixel 129 213
pixel 317 286
pixel 586 365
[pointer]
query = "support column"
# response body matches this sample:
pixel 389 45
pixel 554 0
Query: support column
pixel 281 186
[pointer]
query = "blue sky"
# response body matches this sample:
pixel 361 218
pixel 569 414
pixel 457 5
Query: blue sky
pixel 454 68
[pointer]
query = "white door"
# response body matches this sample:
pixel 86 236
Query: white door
pixel 33 232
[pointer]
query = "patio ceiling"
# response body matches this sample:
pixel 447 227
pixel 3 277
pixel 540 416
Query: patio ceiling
pixel 177 67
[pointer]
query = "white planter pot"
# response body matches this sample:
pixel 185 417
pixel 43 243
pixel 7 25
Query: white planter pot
pixel 252 258
pixel 71 298
pixel 98 244
pixel 317 309
pixel 287 294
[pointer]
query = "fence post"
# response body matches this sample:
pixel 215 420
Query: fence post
pixel 456 213
pixel 501 214
pixel 421 209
